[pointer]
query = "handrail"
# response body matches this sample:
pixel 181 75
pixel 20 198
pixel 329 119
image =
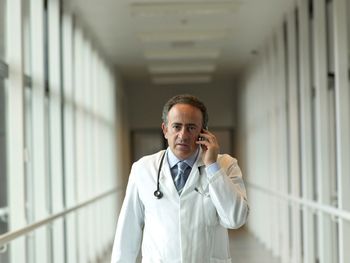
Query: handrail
pixel 331 210
pixel 9 236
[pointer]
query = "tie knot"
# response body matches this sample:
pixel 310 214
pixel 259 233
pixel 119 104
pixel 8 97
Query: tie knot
pixel 182 166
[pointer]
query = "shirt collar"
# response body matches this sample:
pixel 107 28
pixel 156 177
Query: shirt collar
pixel 173 160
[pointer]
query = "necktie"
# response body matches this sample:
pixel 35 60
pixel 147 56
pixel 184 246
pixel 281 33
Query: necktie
pixel 181 176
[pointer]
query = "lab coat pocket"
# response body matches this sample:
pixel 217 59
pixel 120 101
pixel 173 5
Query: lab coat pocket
pixel 210 211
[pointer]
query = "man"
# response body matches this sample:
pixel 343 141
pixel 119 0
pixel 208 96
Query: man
pixel 180 202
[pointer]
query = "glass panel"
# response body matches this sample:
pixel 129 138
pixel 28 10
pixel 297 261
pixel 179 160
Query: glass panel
pixel 313 105
pixel 3 178
pixel 2 28
pixel 28 118
pixel 29 180
pixel 3 181
pixel 331 103
pixel 26 36
pixel 348 27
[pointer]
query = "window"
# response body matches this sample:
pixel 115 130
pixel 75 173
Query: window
pixel 3 179
pixel 3 169
pixel 38 179
pixel 2 28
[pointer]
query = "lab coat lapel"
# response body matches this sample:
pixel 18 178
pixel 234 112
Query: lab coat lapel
pixel 195 177
pixel 166 181
pixel 200 162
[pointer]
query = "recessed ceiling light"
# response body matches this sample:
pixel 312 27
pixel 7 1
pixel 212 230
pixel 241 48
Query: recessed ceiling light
pixel 166 36
pixel 182 79
pixel 183 8
pixel 181 68
pixel 182 44
pixel 180 54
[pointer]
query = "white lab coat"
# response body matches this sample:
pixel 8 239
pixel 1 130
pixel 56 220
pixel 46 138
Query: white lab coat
pixel 191 228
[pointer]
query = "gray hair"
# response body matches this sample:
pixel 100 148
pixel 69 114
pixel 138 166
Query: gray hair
pixel 185 99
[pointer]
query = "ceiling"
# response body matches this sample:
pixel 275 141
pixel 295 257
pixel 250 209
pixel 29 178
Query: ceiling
pixel 179 41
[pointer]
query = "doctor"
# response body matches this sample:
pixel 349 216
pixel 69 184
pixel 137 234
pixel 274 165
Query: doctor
pixel 180 202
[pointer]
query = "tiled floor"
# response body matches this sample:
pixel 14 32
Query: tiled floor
pixel 246 249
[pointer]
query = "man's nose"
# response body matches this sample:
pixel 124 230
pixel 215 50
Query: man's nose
pixel 183 132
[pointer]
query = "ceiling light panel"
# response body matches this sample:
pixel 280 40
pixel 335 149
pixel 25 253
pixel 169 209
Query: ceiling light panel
pixel 182 79
pixel 181 68
pixel 182 44
pixel 177 36
pixel 183 8
pixel 181 54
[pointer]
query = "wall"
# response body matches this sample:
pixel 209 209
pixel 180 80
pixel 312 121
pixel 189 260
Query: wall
pixel 294 135
pixel 146 102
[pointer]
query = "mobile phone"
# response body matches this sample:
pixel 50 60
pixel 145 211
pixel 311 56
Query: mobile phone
pixel 200 138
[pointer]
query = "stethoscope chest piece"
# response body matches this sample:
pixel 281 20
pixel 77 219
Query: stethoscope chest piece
pixel 158 194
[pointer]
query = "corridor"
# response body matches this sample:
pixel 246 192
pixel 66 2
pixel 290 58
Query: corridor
pixel 82 89
pixel 245 248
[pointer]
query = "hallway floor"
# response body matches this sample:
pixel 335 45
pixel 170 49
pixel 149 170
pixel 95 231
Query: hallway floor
pixel 246 249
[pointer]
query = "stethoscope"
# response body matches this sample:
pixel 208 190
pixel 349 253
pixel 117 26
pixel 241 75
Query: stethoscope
pixel 157 193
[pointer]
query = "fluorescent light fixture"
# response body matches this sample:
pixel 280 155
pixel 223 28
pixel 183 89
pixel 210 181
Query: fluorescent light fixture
pixel 182 79
pixel 183 8
pixel 181 54
pixel 182 44
pixel 166 36
pixel 181 68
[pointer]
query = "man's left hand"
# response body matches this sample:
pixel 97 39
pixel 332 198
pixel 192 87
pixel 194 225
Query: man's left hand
pixel 210 147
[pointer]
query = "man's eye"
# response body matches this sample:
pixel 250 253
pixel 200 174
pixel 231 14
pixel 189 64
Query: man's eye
pixel 177 127
pixel 191 128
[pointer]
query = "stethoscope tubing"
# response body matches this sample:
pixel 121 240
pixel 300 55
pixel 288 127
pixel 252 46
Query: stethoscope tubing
pixel 157 193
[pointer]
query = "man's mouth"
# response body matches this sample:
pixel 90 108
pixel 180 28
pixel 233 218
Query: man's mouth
pixel 182 144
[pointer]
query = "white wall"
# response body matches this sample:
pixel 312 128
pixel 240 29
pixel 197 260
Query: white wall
pixel 146 102
pixel 294 135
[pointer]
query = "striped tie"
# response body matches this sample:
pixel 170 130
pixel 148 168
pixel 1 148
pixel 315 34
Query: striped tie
pixel 181 176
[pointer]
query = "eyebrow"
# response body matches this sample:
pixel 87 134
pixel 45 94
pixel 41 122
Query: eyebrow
pixel 187 124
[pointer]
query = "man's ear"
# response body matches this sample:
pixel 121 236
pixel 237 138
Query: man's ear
pixel 165 130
